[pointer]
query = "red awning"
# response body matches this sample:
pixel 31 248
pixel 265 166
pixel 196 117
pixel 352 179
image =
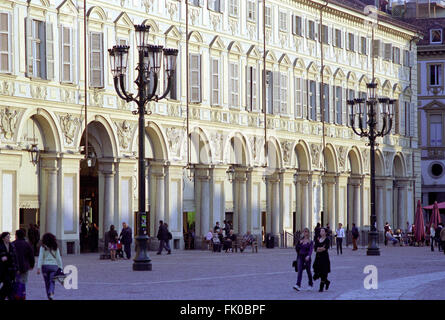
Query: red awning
pixel 441 205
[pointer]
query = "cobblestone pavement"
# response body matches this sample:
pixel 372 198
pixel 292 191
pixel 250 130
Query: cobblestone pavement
pixel 403 273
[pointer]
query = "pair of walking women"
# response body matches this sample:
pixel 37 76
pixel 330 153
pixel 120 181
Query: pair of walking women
pixel 322 265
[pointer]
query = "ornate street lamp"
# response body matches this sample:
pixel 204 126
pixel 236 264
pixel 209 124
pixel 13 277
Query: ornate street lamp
pixel 230 173
pixel 375 108
pixel 149 65
pixel 34 153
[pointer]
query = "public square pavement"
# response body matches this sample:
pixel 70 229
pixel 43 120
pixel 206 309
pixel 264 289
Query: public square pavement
pixel 403 273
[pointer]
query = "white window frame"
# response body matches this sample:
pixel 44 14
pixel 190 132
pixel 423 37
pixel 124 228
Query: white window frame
pixel 438 126
pixel 234 8
pixel 64 44
pixel 252 88
pixel 438 71
pixel 101 60
pixel 269 17
pixel 211 5
pixel 196 86
pixel 251 10
pixel 9 51
pixel 298 81
pixel 234 85
pixel 283 21
pixel 216 82
pixel 284 78
pixel 431 36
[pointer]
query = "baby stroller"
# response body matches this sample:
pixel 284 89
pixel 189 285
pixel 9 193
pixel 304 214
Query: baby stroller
pixel 119 251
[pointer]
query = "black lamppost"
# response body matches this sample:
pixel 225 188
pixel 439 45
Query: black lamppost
pixel 148 67
pixel 360 108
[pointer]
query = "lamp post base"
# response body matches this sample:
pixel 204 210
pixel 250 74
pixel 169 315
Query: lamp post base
pixel 142 261
pixel 373 249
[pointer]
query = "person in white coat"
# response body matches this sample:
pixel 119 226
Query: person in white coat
pixel 340 235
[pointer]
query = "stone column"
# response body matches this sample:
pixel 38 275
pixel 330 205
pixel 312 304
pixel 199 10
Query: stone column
pixel 380 208
pixel 108 200
pixel 357 206
pixel 203 178
pixel 276 208
pixel 241 181
pixel 51 202
pixel 331 204
pixel 305 204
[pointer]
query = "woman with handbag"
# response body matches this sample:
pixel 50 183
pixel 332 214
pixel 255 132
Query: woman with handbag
pixel 322 264
pixel 304 250
pixel 112 245
pixel 49 262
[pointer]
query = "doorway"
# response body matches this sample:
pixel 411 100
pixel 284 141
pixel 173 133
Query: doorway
pixel 89 206
pixel 27 217
pixel 188 229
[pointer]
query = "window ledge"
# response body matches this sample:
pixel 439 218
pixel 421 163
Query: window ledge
pixel 8 75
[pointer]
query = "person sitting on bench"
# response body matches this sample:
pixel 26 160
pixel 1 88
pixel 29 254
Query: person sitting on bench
pixel 216 243
pixel 247 240
pixel 390 237
pixel 230 239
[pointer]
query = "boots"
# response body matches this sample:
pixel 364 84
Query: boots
pixel 327 284
pixel 321 286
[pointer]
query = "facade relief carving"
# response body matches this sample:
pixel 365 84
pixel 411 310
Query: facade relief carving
pixel 38 92
pixel 96 98
pixel 8 122
pixel 124 132
pixel 69 125
pixel 342 152
pixel 175 137
pixel 257 144
pixel 388 160
pixel 216 143
pixel 148 4
pixel 286 146
pixel 366 156
pixel 7 88
pixel 315 154
pixel 172 8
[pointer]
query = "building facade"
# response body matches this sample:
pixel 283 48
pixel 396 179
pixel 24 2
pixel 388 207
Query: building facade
pixel 430 19
pixel 315 170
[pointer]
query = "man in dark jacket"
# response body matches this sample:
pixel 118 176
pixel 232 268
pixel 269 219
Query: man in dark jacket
pixel 163 238
pixel 8 266
pixel 126 239
pixel 34 237
pixel 355 236
pixel 25 262
pixel 317 231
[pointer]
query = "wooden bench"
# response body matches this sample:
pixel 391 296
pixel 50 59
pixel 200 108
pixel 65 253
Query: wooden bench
pixel 239 241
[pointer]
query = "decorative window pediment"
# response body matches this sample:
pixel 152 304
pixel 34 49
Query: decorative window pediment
pixel 68 8
pixel 235 48
pixel 254 53
pixel 123 21
pixel 217 44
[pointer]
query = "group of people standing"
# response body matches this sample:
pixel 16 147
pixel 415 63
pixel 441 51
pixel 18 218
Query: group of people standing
pixel 125 239
pixel 437 235
pixel 17 259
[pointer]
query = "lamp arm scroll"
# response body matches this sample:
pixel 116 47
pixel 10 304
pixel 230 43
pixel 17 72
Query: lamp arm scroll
pixel 167 90
pixel 126 96
pixel 123 95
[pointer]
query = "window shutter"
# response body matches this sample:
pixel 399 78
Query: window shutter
pixel 254 88
pixel 5 42
pixel 49 51
pixel 248 88
pixel 29 51
pixel 283 93
pixel 96 59
pixel 317 104
pixel 376 48
pixel 276 93
pixel 199 79
pixel 305 98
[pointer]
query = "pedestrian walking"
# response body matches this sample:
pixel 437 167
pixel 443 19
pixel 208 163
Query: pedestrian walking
pixel 163 238
pixel 442 238
pixel 317 231
pixel 304 249
pixel 49 262
pixel 355 236
pixel 8 266
pixel 126 238
pixel 329 234
pixel 112 242
pixel 340 235
pixel 25 262
pixel 322 264
pixel 437 232
pixel 33 237
pixel 432 236
pixel 386 229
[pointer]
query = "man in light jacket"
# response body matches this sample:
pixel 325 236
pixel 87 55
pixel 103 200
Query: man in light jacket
pixel 340 234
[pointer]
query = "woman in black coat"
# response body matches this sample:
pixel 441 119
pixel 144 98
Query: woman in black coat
pixel 8 266
pixel 322 264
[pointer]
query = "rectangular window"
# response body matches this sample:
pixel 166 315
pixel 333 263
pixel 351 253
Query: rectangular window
pixel 376 48
pixel 351 44
pixel 276 93
pixel 194 2
pixel 325 34
pixel 252 88
pixel 215 78
pixel 234 7
pixel 436 130
pixel 5 42
pixel 268 21
pixel 388 51
pixel 36 48
pixel 407 119
pixel 311 30
pixel 396 55
pixel 435 75
pixel 312 100
pixel 338 35
pixel 172 95
pixel 96 60
pixel 269 91
pixel 363 47
pixel 283 93
pixel 298 97
pixel 66 54
pixel 325 102
pixel 436 36
pixel 338 105
pixel 214 5
pixel 251 10
pixel 296 25
pixel 283 21
pixel 234 84
pixel 195 78
pixel 406 60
